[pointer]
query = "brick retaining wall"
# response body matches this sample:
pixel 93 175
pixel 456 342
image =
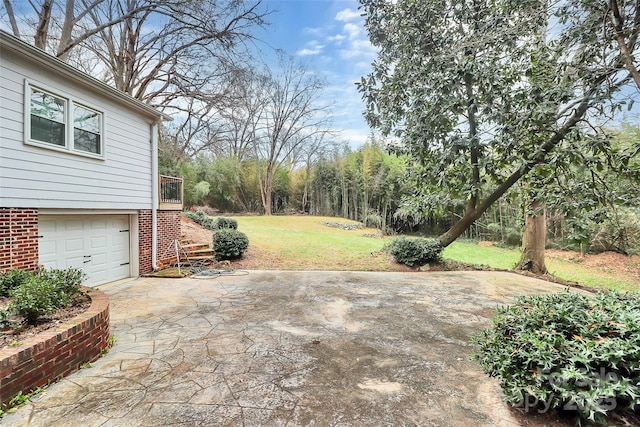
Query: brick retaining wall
pixel 57 352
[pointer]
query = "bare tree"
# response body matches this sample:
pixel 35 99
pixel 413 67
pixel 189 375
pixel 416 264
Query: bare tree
pixel 291 118
pixel 186 45
pixel 243 114
pixel 55 27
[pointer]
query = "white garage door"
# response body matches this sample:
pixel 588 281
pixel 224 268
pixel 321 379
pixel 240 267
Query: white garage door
pixel 97 244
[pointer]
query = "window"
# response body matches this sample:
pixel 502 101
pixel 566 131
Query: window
pixel 60 123
pixel 86 129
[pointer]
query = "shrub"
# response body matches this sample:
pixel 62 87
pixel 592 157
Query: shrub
pixel 372 220
pixel 44 293
pixel 415 251
pixel 12 279
pixel 67 282
pixel 6 322
pixel 222 222
pixel 229 244
pixel 566 351
pixel 201 218
pixel 37 297
pixel 190 215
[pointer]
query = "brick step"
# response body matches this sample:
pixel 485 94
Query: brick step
pixel 195 247
pixel 202 258
pixel 199 255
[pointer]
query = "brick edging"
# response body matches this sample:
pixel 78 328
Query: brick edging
pixel 56 352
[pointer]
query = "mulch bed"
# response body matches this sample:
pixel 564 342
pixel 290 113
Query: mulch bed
pixel 24 330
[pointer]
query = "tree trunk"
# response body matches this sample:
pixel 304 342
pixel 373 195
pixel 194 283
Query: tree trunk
pixel 266 189
pixel 42 30
pixel 534 239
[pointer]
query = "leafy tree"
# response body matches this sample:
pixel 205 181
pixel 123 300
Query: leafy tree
pixel 454 80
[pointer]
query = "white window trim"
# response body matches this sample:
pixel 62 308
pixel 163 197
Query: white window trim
pixel 69 125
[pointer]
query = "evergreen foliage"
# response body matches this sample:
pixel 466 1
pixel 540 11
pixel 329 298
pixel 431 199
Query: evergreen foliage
pixel 229 243
pixel 223 222
pixel 45 292
pixel 415 251
pixel 566 351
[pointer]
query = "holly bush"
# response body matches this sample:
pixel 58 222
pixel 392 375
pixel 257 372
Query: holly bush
pixel 415 251
pixel 229 243
pixel 566 351
pixel 224 222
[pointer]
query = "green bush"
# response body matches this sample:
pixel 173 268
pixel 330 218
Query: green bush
pixel 201 218
pixel 6 322
pixel 190 215
pixel 12 279
pixel 415 251
pixel 222 222
pixel 66 281
pixel 45 292
pixel 37 297
pixel 229 244
pixel 372 220
pixel 566 351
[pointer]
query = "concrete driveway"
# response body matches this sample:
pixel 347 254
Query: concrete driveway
pixel 291 349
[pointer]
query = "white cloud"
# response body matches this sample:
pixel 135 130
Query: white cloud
pixel 313 48
pixel 348 15
pixel 337 38
pixel 353 31
pixel 314 31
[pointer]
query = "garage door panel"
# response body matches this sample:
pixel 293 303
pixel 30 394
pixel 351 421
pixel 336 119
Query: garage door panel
pixel 95 244
pixel 75 226
pixel 98 243
pixel 75 262
pixel 73 245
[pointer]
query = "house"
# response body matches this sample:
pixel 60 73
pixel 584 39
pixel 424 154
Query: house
pixel 79 183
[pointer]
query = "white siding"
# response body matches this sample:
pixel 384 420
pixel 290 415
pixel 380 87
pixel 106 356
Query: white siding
pixel 37 177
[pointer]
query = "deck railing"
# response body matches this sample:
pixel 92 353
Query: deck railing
pixel 171 193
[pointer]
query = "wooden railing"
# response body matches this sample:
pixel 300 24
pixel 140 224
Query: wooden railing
pixel 171 193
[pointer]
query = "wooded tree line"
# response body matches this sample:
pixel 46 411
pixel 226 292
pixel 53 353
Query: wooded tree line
pixel 588 210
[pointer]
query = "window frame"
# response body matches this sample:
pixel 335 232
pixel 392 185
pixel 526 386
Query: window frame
pixel 68 122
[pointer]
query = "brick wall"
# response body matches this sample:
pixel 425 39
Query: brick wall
pixel 18 239
pixel 168 231
pixel 145 241
pixel 56 353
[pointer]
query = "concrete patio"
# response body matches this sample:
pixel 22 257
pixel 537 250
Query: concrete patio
pixel 276 348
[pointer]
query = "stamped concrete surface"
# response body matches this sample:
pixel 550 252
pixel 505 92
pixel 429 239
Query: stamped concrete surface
pixel 291 349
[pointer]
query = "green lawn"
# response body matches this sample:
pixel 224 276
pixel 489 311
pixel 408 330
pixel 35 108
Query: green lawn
pixel 305 243
pixel 572 271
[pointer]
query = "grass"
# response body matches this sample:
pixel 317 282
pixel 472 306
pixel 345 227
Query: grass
pixel 571 271
pixel 305 243
pixel 491 256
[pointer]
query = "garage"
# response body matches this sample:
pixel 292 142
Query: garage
pixel 97 244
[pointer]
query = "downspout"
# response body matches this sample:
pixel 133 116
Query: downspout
pixel 155 193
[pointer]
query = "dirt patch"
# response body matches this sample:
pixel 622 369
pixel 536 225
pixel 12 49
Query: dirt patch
pixel 610 262
pixel 191 231
pixel 23 331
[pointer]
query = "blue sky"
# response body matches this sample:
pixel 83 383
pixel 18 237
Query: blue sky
pixel 328 35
